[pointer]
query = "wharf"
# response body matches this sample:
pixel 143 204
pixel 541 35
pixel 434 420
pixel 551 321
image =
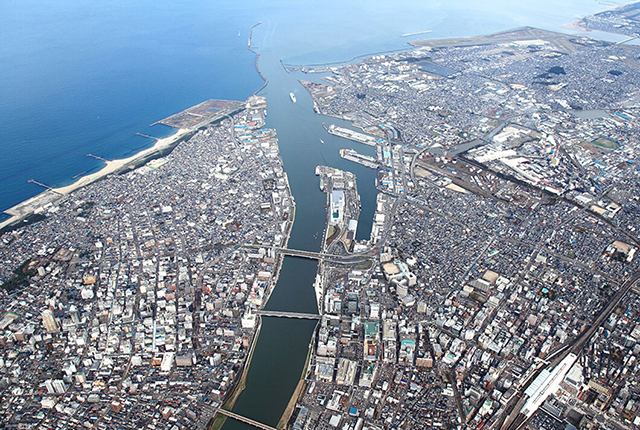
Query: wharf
pixel 202 113
pixel 353 135
pixel 365 160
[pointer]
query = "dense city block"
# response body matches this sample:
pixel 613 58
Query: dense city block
pixel 504 237
pixel 133 304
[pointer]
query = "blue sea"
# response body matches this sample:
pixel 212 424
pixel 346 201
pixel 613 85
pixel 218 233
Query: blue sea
pixel 80 77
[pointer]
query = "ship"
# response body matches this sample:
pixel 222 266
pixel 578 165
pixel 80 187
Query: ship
pixel 293 97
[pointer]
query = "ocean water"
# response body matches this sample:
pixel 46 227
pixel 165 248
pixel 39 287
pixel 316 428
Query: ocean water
pixel 84 77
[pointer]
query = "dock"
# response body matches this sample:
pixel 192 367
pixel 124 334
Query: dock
pixel 365 160
pixel 353 135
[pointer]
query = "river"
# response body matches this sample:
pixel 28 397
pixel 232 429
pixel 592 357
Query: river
pixel 83 77
pixel 282 347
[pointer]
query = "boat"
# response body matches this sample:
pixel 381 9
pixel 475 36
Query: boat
pixel 293 97
pixel 322 141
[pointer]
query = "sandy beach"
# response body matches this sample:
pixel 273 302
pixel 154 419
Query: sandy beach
pixel 115 165
pixel 33 204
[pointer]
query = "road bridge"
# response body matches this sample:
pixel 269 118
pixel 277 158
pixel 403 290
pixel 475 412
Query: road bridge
pixel 334 258
pixel 245 420
pixel 306 254
pixel 281 314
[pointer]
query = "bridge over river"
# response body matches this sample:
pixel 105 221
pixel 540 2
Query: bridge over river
pixel 245 420
pixel 333 258
pixel 281 314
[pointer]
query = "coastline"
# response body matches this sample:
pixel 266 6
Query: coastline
pixel 114 166
pixel 36 203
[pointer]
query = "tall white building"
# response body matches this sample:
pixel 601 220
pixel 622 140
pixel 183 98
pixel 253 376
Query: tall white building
pixel 56 386
pixel 59 386
pixel 336 201
pixel 167 361
pixel 49 321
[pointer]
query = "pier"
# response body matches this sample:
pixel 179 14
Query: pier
pixel 352 135
pixel 147 136
pixel 33 181
pixel 365 160
pixel 100 158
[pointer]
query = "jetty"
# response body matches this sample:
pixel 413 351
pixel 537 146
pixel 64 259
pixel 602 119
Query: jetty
pixel 352 135
pixel 365 160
